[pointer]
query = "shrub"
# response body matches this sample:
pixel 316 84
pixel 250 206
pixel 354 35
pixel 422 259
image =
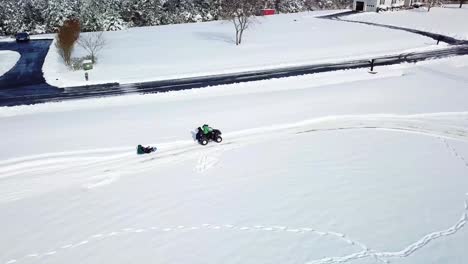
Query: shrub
pixel 66 37
pixel 77 63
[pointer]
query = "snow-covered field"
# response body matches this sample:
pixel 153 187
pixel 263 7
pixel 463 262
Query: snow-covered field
pixel 153 53
pixel 451 20
pixel 8 59
pixel 325 168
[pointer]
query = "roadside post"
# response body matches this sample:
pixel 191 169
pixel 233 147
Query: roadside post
pixel 87 65
pixel 372 61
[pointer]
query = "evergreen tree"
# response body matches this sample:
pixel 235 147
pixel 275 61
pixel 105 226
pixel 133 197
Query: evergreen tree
pixel 34 20
pixel 90 16
pixel 290 6
pixel 3 18
pixel 141 12
pixel 170 12
pixel 58 11
pixel 111 18
pixel 12 17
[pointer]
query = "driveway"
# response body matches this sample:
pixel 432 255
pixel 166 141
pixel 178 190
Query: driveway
pixel 28 70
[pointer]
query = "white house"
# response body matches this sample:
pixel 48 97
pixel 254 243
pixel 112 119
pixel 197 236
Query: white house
pixel 378 5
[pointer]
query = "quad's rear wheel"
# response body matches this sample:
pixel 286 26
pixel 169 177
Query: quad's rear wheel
pixel 219 139
pixel 204 142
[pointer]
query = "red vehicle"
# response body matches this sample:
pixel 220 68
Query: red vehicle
pixel 268 12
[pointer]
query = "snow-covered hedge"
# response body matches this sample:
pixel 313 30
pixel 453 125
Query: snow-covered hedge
pixel 45 16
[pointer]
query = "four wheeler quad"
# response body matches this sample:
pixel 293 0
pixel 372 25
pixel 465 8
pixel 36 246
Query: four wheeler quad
pixel 214 135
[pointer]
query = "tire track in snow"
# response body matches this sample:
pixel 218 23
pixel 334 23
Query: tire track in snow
pixel 50 165
pixel 407 123
pixel 421 124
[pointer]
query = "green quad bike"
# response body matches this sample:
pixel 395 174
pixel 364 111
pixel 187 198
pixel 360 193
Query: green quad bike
pixel 214 135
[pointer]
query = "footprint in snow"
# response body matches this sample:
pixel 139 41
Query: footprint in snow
pixel 101 181
pixel 205 163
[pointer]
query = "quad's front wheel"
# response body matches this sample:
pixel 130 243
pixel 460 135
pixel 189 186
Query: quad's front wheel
pixel 204 142
pixel 219 139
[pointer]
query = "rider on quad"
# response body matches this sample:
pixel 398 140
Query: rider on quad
pixel 145 150
pixel 206 129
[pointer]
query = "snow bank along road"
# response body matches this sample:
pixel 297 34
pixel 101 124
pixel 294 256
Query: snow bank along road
pixel 39 92
pixel 435 36
pixel 23 178
pixel 448 20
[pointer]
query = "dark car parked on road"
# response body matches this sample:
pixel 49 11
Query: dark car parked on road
pixel 22 37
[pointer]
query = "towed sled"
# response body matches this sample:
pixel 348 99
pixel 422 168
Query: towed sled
pixel 214 135
pixel 145 150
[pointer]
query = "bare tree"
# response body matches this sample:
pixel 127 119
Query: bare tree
pixel 66 37
pixel 277 5
pixel 461 3
pixel 241 13
pixel 431 3
pixel 93 43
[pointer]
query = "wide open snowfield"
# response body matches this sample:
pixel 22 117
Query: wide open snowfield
pixel 154 53
pixel 8 59
pixel 450 20
pixel 324 168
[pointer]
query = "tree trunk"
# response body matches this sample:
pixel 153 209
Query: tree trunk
pixel 240 36
pixel 461 3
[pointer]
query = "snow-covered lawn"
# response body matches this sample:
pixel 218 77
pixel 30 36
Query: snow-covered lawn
pixel 314 169
pixel 450 20
pixel 152 53
pixel 8 59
